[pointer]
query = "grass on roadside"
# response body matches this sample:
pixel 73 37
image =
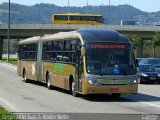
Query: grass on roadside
pixel 12 60
pixel 5 115
pixel 3 111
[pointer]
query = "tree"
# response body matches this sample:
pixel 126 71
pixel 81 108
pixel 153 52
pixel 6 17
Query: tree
pixel 137 41
pixel 155 41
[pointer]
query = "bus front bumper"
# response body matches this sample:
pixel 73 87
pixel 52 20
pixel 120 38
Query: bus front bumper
pixel 111 89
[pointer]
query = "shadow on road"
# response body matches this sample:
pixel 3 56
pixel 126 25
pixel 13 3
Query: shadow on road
pixel 107 97
pixel 150 83
pixel 124 98
pixel 44 85
pixel 104 98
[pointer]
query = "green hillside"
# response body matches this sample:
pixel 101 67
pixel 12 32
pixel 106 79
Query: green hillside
pixel 41 13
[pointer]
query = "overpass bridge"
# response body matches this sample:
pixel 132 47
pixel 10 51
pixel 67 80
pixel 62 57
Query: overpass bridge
pixel 21 31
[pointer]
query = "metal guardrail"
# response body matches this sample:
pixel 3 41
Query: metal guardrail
pixel 74 27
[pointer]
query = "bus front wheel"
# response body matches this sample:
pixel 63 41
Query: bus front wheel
pixel 25 76
pixel 73 90
pixel 49 81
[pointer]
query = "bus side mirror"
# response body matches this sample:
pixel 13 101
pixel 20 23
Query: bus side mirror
pixel 83 51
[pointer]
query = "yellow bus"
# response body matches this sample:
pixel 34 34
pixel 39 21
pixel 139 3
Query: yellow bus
pixel 86 61
pixel 76 18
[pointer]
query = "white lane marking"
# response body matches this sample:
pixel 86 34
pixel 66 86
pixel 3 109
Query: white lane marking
pixel 143 102
pixel 10 107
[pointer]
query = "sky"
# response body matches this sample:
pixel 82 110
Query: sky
pixel 144 5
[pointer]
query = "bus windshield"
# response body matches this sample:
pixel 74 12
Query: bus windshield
pixel 110 59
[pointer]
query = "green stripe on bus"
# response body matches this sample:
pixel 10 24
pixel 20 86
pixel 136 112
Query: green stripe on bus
pixel 59 67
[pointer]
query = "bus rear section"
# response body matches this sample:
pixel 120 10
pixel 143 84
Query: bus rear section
pixel 27 66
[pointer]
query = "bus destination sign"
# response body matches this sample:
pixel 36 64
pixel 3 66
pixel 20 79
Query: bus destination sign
pixel 113 46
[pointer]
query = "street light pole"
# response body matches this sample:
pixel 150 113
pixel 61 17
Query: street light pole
pixel 87 7
pixel 8 35
pixel 68 14
pixel 109 12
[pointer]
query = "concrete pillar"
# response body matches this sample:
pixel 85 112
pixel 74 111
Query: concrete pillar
pixel 1 47
pixel 139 51
pixel 142 44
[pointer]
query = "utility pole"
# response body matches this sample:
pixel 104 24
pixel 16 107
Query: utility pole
pixel 87 7
pixel 109 12
pixel 8 34
pixel 68 14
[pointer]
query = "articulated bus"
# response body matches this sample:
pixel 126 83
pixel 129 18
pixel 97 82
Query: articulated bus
pixel 76 18
pixel 86 61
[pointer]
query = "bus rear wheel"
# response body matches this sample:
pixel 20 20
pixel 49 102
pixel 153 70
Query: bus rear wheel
pixel 73 90
pixel 25 76
pixel 49 82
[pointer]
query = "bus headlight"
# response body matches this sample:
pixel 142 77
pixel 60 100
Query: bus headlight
pixel 92 82
pixel 133 82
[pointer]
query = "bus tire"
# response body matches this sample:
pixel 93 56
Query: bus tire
pixel 48 81
pixel 116 95
pixel 73 91
pixel 25 76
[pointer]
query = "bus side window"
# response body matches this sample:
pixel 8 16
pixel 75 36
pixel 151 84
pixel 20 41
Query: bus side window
pixel 55 46
pixel 43 50
pixel 67 45
pixel 49 46
pixel 67 51
pixel 78 48
pixel 60 44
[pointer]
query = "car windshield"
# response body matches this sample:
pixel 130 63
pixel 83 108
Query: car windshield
pixel 146 68
pixel 109 59
pixel 151 61
pixel 139 60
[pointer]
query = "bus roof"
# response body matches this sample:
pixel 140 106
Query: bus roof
pixel 30 40
pixel 63 35
pixel 91 35
pixel 78 14
pixel 85 36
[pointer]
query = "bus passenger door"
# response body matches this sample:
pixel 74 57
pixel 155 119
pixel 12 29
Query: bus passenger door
pixel 79 68
pixel 39 61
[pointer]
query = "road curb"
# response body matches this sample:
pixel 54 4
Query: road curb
pixel 7 105
pixel 8 64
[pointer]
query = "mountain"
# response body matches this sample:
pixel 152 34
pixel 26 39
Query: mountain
pixel 42 13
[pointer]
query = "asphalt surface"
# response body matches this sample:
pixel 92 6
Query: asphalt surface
pixel 17 96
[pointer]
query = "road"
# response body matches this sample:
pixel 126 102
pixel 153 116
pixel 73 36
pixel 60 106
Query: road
pixel 18 96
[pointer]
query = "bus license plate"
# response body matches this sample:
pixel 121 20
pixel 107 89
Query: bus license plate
pixel 113 90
